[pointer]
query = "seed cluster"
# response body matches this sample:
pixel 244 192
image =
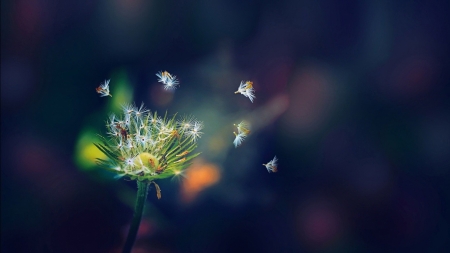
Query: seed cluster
pixel 143 146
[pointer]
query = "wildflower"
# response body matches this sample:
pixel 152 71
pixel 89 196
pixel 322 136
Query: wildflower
pixel 144 147
pixel 103 89
pixel 272 165
pixel 247 90
pixel 147 153
pixel 170 82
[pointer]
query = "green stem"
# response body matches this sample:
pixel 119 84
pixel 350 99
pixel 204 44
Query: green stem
pixel 138 210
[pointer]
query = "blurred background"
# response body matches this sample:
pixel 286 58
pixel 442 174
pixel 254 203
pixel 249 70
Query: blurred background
pixel 351 96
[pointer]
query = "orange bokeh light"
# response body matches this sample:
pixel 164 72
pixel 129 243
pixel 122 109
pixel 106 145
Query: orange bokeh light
pixel 198 177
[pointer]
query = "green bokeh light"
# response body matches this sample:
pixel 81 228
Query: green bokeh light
pixel 86 152
pixel 121 90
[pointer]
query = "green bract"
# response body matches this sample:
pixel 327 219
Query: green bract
pixel 143 146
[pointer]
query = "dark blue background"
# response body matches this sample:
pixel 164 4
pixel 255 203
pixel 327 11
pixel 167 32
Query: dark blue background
pixel 352 97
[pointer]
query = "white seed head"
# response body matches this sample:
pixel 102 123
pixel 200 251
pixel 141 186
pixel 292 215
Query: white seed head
pixel 239 139
pixel 246 89
pixel 170 82
pixel 103 89
pixel 272 165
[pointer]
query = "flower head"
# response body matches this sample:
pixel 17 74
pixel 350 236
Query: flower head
pixel 103 89
pixel 170 82
pixel 246 89
pixel 272 165
pixel 142 146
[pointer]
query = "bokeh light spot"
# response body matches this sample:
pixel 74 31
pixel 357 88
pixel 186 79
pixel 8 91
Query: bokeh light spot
pixel 320 224
pixel 86 152
pixel 311 97
pixel 198 177
pixel 159 96
pixel 121 90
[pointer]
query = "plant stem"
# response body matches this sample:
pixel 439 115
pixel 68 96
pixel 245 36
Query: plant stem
pixel 138 210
